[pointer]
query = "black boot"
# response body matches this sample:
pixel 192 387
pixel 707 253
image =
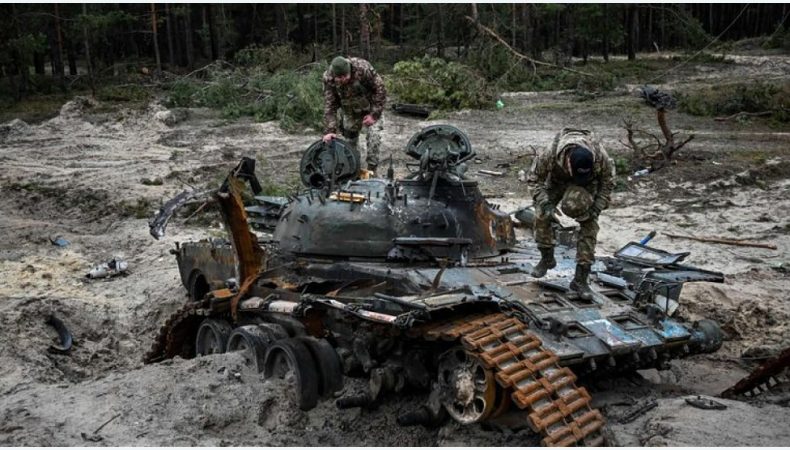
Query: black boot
pixel 546 262
pixel 579 283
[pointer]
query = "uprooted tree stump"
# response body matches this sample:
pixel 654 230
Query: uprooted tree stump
pixel 655 153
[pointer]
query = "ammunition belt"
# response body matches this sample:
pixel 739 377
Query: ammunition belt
pixel 556 408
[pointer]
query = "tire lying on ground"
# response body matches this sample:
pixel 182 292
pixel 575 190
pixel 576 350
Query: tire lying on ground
pixel 212 337
pixel 330 369
pixel 290 359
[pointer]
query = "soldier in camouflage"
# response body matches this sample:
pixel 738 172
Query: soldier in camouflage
pixel 576 174
pixel 352 86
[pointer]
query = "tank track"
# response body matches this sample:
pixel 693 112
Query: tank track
pixel 170 339
pixel 556 408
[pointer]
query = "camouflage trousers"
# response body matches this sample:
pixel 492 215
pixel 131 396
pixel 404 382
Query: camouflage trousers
pixel 544 233
pixel 351 126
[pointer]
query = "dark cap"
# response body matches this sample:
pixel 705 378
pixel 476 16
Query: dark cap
pixel 581 161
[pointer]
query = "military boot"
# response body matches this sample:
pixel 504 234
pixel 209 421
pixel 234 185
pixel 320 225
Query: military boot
pixel 579 283
pixel 546 262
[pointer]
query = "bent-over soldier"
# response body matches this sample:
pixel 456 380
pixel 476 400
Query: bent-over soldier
pixel 576 174
pixel 353 88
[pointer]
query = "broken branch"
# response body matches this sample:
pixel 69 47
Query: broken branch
pixel 520 55
pixel 743 114
pixel 716 240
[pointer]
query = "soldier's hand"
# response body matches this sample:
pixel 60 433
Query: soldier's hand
pixel 546 209
pixel 328 137
pixel 368 120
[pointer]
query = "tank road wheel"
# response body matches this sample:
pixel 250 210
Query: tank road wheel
pixel 330 369
pixel 253 342
pixel 212 337
pixel 468 390
pixel 289 359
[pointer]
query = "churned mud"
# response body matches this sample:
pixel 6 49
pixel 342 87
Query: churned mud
pixel 94 178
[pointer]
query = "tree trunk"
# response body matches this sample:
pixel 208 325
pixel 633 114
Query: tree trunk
pixel 156 40
pixel 178 31
pixel 650 28
pixel 343 39
pixel 364 31
pixel 439 30
pixel 190 47
pixel 663 23
pixel 212 31
pixel 253 38
pixel 171 60
pixel 526 20
pixel 88 51
pixel 38 63
pixel 630 18
pixel 71 55
pixel 605 33
pixel 513 26
pixel 302 26
pixel 334 27
pixel 60 75
pixel 400 27
pixel 282 23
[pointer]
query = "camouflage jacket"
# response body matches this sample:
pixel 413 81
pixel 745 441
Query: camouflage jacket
pixel 364 94
pixel 549 169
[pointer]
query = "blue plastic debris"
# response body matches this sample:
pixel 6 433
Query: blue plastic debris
pixel 59 241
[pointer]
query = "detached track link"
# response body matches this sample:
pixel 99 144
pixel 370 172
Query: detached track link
pixel 556 408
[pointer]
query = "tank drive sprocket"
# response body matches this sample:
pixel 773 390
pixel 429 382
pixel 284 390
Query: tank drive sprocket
pixel 556 408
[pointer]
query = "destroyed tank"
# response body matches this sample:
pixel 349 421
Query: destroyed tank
pixel 420 284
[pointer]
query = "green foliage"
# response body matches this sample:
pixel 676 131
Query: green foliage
pixel 125 93
pixel 443 84
pixel 780 39
pixel 292 97
pixel 271 58
pixel 731 99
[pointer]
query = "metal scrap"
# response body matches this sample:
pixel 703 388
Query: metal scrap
pixel 761 378
pixel 705 403
pixel 638 410
pixel 64 336
pixel 111 268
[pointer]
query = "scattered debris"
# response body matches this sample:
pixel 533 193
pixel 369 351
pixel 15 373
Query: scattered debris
pixel 95 437
pixel 64 336
pixel 493 173
pixel 642 172
pixel 111 268
pixel 59 241
pixel 638 410
pixel 705 403
pixel 762 378
pixel 522 176
pixel 413 110
pixel 152 181
pixel 743 114
pixel 716 240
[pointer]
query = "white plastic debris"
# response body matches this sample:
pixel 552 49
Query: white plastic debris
pixel 111 268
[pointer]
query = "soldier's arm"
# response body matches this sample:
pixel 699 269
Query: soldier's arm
pixel 375 83
pixel 331 105
pixel 604 195
pixel 536 179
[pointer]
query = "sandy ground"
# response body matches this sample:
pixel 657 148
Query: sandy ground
pixel 80 176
